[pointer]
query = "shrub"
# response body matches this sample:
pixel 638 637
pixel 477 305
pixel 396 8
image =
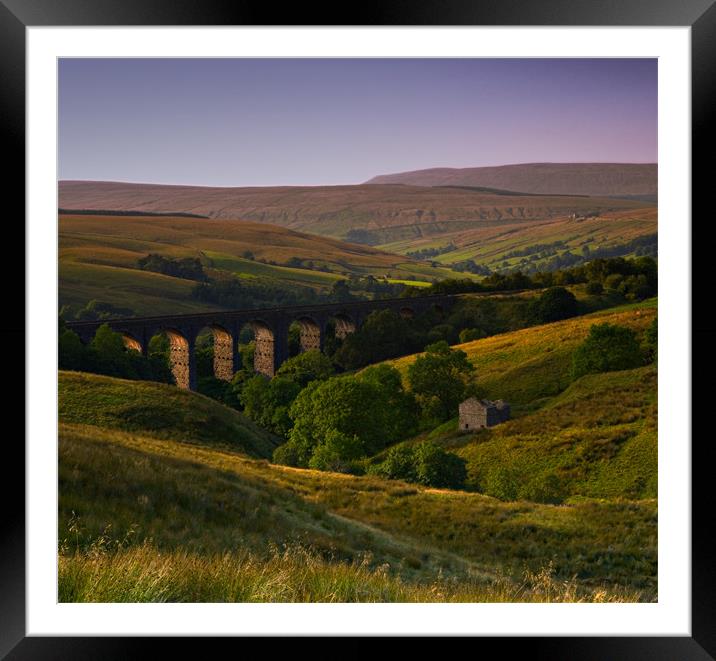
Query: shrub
pixel 337 452
pixel 286 454
pixel 650 344
pixel 471 334
pixel 607 348
pixel 399 463
pixel 436 467
pixel 549 488
pixel 554 304
pixel 593 287
pixel 500 482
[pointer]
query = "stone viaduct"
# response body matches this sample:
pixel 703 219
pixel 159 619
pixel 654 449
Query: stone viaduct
pixel 270 327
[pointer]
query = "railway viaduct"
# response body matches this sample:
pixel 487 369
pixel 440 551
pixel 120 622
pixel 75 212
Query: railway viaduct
pixel 270 327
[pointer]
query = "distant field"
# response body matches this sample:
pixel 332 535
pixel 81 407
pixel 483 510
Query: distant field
pixel 491 243
pixel 144 292
pixel 411 283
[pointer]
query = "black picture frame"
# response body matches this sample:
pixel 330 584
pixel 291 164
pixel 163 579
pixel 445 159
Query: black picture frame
pixel 700 15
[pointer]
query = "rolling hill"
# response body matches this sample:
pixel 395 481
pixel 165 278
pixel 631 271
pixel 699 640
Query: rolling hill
pixel 609 179
pixel 159 411
pixel 99 254
pixel 393 211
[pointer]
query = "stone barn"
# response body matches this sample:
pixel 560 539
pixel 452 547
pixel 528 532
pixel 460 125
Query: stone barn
pixel 480 413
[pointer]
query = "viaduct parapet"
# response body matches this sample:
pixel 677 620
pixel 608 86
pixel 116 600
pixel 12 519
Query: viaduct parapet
pixel 270 327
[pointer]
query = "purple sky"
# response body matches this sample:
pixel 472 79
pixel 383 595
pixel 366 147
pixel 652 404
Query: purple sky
pixel 262 122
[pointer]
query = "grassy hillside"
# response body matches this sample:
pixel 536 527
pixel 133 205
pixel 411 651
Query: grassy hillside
pixel 190 499
pixel 334 210
pixel 527 366
pixel 158 410
pixel 594 437
pixel 597 439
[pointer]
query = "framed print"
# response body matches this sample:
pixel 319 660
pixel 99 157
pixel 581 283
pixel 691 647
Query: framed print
pixel 358 326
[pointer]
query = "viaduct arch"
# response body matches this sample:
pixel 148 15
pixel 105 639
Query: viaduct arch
pixel 270 327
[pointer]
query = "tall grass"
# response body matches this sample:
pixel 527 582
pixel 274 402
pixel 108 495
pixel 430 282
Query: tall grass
pixel 291 574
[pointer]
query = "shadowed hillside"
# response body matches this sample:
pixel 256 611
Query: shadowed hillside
pixel 158 410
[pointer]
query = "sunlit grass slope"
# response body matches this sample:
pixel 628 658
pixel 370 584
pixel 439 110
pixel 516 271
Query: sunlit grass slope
pixel 158 410
pixel 597 439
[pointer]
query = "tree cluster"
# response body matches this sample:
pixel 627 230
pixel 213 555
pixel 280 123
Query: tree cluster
pixel 610 347
pixel 188 268
pixel 106 354
pixel 345 418
pixel 424 463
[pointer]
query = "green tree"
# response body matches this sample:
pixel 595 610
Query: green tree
pixel 306 367
pixel 340 293
pixel 347 405
pixel 72 354
pixel 336 452
pixel 398 406
pixel 607 348
pixel 385 334
pixel 246 353
pixel 267 402
pixel 399 463
pixel 440 380
pixel 554 304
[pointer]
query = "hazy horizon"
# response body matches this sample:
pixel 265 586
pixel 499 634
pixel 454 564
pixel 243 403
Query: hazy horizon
pixel 356 183
pixel 249 122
